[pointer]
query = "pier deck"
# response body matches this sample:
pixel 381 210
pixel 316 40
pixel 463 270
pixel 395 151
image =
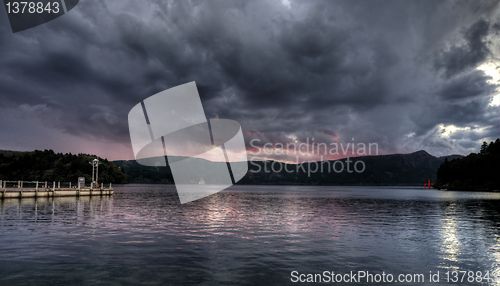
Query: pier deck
pixel 34 189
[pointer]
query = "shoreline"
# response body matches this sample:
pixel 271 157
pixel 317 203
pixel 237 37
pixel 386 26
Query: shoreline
pixel 304 185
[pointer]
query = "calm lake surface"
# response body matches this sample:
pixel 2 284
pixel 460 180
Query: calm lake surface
pixel 247 235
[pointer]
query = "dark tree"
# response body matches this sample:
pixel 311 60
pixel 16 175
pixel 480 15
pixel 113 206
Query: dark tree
pixel 484 147
pixel 479 172
pixel 49 166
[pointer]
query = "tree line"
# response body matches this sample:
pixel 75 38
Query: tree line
pixel 475 172
pixel 47 165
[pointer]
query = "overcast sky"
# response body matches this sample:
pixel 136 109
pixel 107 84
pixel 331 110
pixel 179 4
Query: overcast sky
pixel 408 75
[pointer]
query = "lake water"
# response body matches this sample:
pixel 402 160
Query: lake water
pixel 248 235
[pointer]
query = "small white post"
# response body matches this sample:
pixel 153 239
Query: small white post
pixel 70 185
pixel 53 186
pixel 58 185
pixel 45 184
pixel 110 186
pixel 36 185
pixel 102 186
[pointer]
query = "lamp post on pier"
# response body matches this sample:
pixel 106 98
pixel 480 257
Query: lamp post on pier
pixel 95 172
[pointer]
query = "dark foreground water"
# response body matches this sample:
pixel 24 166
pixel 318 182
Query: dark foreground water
pixel 250 235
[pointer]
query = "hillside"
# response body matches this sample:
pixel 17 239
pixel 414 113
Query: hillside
pixel 396 169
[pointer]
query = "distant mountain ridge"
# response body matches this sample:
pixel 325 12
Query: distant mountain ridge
pixel 394 169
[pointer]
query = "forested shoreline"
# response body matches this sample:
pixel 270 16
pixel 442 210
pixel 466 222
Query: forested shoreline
pixel 475 172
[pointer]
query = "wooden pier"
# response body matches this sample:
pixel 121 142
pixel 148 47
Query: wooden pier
pixel 35 189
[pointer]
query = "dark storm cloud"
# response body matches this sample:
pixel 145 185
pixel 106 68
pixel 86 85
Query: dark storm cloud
pixel 380 71
pixel 467 86
pixel 472 52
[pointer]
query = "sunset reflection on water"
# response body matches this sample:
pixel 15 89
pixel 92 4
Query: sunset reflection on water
pixel 251 234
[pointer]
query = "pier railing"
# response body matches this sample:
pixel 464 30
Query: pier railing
pixel 37 189
pixel 45 185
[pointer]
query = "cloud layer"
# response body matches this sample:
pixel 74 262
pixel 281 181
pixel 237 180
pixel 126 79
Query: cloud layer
pixel 406 75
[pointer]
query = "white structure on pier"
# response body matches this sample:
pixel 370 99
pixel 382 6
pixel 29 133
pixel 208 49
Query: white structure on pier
pixel 95 172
